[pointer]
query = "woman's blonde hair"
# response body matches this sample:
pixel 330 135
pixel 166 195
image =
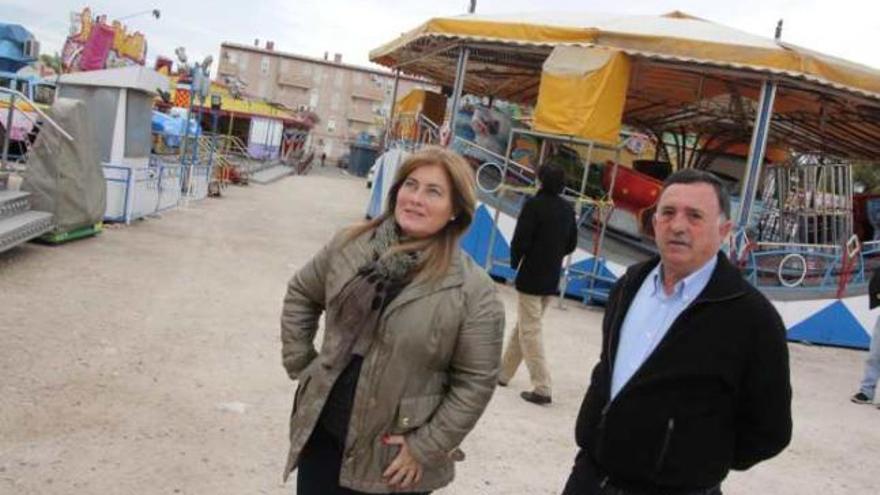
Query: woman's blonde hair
pixel 442 246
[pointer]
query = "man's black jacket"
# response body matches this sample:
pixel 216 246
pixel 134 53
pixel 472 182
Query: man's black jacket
pixel 545 232
pixel 714 395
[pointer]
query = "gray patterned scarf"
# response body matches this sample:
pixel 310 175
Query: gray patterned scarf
pixel 355 311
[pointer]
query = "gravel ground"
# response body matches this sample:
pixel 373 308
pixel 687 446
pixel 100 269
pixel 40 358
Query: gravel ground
pixel 146 361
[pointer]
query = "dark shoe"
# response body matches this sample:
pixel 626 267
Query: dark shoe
pixel 861 398
pixel 535 398
pixel 502 384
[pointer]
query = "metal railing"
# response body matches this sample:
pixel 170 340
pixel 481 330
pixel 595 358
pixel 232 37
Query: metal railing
pixel 411 131
pixel 800 266
pixel 13 100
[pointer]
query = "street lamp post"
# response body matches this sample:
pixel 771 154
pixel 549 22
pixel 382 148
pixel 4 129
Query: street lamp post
pixel 216 104
pixel 154 12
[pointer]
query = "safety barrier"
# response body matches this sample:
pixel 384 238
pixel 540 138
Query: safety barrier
pixel 134 193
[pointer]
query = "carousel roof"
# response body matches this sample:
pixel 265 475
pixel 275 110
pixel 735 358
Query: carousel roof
pixel 688 74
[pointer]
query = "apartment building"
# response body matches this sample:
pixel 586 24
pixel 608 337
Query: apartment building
pixel 348 99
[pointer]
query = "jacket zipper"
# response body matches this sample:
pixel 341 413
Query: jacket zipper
pixel 670 427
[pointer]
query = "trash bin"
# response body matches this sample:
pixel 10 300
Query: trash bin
pixel 362 158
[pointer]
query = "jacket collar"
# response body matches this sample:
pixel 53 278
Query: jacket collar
pixel 726 281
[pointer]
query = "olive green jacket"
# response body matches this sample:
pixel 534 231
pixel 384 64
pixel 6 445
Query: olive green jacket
pixel 428 375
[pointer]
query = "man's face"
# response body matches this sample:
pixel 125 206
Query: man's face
pixel 689 227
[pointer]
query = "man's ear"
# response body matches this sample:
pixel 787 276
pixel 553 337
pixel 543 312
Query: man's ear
pixel 725 227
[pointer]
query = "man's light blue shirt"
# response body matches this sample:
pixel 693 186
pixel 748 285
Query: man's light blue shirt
pixel 650 315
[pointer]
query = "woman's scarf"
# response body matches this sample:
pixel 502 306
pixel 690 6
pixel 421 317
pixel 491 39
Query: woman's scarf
pixel 355 311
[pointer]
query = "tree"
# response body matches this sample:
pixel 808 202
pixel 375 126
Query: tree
pixel 52 61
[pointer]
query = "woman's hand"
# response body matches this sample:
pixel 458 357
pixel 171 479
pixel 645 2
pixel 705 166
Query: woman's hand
pixel 404 470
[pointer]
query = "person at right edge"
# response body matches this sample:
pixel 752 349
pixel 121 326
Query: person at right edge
pixel 545 232
pixel 867 388
pixel 693 376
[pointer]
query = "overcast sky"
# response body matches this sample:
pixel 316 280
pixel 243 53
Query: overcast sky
pixel 845 28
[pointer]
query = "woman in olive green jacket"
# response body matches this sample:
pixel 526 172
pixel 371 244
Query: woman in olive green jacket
pixel 411 346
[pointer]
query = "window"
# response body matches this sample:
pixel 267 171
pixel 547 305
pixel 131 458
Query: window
pixel 232 57
pixel 316 75
pixel 314 97
pixel 264 65
pixel 331 125
pixel 137 130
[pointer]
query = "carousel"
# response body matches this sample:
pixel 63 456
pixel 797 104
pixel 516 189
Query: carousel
pixel 621 102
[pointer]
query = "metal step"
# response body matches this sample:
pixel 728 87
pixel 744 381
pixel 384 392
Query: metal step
pixel 13 202
pixel 24 227
pixel 271 174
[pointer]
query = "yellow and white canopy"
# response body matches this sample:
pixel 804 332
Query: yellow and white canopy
pixel 674 37
pixel 686 74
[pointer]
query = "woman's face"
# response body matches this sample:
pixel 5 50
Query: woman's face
pixel 424 202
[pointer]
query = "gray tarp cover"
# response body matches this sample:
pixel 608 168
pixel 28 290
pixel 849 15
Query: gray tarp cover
pixel 65 177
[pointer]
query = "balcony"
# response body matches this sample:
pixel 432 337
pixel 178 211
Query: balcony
pixel 369 93
pixel 227 69
pixel 295 81
pixel 363 118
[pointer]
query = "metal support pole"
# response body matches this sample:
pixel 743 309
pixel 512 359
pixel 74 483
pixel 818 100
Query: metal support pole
pixel 602 227
pixel 229 133
pixel 389 124
pixel 266 153
pixel 186 126
pixel 215 118
pixel 756 154
pixel 8 131
pixel 199 137
pixel 498 203
pixel 577 212
pixel 458 88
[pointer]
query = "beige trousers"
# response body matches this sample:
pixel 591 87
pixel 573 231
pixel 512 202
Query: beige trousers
pixel 527 343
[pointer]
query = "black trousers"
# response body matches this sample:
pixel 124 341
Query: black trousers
pixel 319 466
pixel 585 480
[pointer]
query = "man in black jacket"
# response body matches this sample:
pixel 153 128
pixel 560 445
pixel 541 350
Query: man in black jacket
pixel 545 232
pixel 693 377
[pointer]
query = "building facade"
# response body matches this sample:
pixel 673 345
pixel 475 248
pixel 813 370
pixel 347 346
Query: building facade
pixel 348 99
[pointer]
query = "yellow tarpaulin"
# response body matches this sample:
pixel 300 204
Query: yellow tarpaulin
pixel 431 105
pixel 582 93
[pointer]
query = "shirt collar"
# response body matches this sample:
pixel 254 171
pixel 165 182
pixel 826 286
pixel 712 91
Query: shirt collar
pixel 689 287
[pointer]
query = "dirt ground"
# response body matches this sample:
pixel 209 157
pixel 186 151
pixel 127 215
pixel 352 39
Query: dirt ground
pixel 146 361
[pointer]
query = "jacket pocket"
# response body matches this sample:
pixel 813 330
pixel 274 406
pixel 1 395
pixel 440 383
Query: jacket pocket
pixel 664 446
pixel 414 412
pixel 300 391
